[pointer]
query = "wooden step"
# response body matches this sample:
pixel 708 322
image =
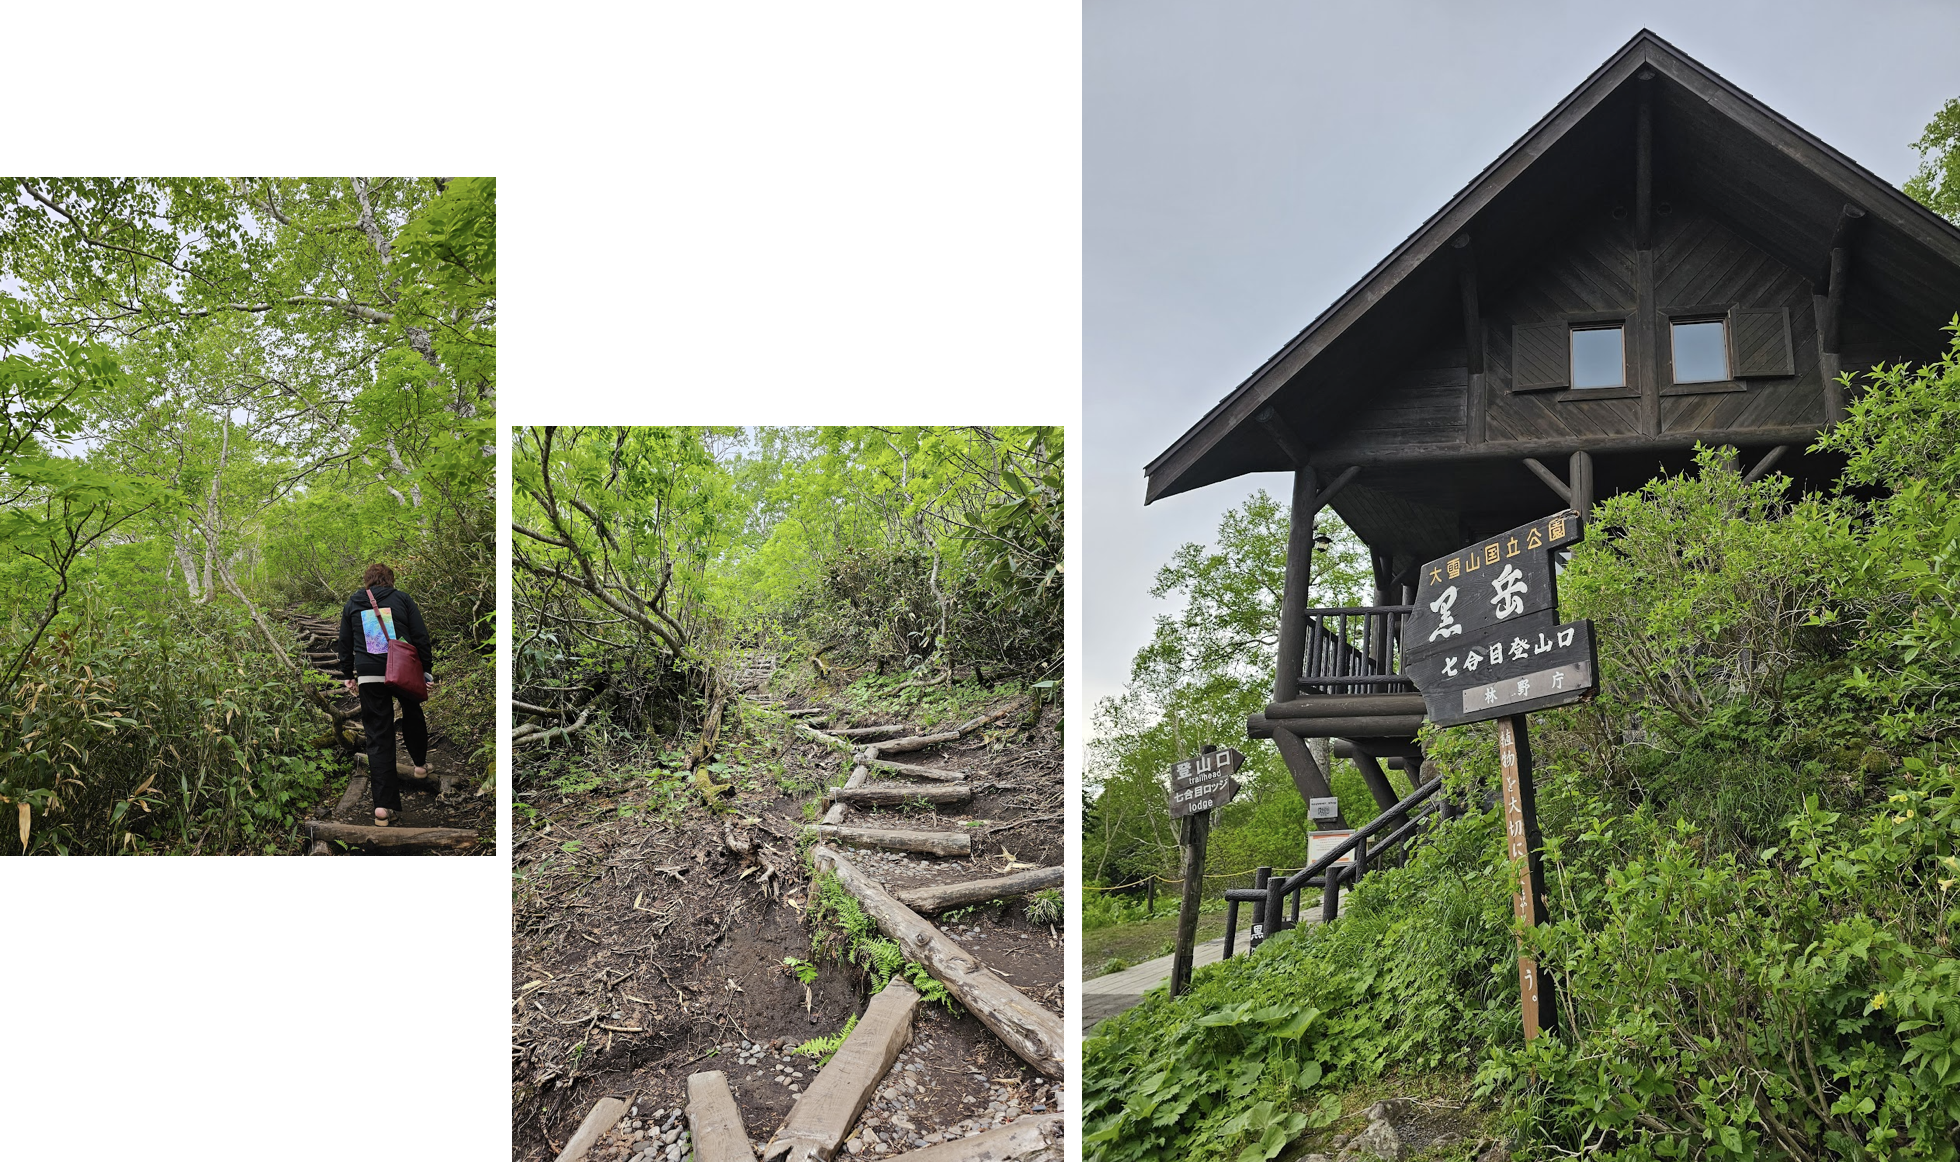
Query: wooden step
pixel 605 1113
pixel 917 742
pixel 870 732
pixel 713 1120
pixel 914 771
pixel 939 897
pixel 822 1118
pixel 885 839
pixel 357 835
pixel 1032 1032
pixel 1035 1139
pixel 898 794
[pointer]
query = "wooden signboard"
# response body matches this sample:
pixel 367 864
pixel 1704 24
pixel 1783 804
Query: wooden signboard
pixel 1485 642
pixel 1204 781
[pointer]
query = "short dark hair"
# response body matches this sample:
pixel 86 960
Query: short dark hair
pixel 378 574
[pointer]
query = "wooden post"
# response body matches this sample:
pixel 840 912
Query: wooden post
pixel 1197 828
pixel 1521 829
pixel 1293 595
pixel 1150 896
pixel 1580 476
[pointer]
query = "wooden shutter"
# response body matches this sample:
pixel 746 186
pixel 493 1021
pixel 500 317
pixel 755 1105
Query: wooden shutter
pixel 1541 356
pixel 1759 343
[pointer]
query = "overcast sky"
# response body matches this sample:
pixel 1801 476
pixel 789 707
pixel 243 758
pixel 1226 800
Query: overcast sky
pixel 1245 163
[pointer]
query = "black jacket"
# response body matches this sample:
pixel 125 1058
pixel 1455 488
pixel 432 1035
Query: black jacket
pixel 354 658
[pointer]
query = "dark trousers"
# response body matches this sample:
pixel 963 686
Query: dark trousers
pixel 378 723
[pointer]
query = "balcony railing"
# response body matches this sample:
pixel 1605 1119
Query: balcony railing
pixel 1355 650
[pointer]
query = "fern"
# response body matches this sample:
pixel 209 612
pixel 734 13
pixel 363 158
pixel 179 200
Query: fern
pixel 824 1048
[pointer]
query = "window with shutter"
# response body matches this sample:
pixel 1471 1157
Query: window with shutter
pixel 1760 338
pixel 1541 356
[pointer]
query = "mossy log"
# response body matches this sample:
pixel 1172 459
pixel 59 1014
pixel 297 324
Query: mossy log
pixel 899 794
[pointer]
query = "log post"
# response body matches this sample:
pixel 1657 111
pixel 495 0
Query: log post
pixel 1581 487
pixel 1197 828
pixel 1293 594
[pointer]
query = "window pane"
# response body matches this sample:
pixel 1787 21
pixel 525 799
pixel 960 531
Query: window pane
pixel 1701 352
pixel 1598 358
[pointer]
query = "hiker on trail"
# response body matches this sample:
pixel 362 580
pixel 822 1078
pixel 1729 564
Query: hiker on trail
pixel 376 614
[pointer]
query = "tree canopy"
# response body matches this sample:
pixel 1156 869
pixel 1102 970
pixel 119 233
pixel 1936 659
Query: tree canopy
pixel 224 397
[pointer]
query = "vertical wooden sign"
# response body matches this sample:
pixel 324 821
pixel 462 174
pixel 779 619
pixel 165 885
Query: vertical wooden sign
pixel 1521 831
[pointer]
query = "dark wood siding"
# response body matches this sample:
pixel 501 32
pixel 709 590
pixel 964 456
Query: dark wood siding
pixel 1421 403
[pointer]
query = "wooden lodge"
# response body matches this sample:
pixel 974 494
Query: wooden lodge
pixel 1661 261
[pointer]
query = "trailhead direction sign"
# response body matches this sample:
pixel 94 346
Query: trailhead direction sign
pixel 1485 641
pixel 1204 781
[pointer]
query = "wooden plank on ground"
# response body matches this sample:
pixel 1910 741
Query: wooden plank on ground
pixel 716 1124
pixel 1035 1139
pixel 895 728
pixel 605 1112
pixel 917 742
pixel 815 735
pixel 939 773
pixel 822 1118
pixel 898 794
pixel 891 839
pixel 939 897
pixel 1032 1032
pixel 356 835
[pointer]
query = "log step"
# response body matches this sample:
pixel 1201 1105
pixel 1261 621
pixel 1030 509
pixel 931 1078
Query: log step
pixel 713 1120
pixel 917 742
pixel 822 1118
pixel 926 842
pixel 356 835
pixel 1035 1139
pixel 939 897
pixel 1032 1032
pixel 605 1113
pixel 898 794
pixel 869 732
pixel 914 771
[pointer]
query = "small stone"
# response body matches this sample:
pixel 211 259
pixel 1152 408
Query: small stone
pixel 670 1135
pixel 854 1146
pixel 1381 1140
pixel 674 1152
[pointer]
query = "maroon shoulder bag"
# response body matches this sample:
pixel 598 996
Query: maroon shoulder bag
pixel 404 671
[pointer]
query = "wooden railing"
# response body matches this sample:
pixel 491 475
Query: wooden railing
pixel 1397 826
pixel 1355 650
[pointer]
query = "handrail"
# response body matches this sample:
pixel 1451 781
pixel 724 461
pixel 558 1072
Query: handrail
pixel 1378 824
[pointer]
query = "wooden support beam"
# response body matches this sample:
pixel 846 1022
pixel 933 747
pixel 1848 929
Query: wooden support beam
pixel 1347 706
pixel 1466 291
pixel 917 772
pixel 1580 476
pixel 1381 748
pixel 601 1117
pixel 356 835
pixel 1035 1139
pixel 1384 726
pixel 898 794
pixel 1308 778
pixel 939 897
pixel 822 1118
pixel 1032 1032
pixel 1765 464
pixel 1432 455
pixel 892 839
pixel 1643 164
pixel 714 1121
pixel 1372 774
pixel 1550 478
pixel 1282 435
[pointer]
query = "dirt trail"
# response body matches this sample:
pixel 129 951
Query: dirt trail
pixel 443 803
pixel 646 951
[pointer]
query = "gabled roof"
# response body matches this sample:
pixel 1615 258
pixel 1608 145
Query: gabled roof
pixel 1770 181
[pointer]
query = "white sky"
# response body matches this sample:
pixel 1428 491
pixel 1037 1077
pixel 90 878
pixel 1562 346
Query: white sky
pixel 1244 164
